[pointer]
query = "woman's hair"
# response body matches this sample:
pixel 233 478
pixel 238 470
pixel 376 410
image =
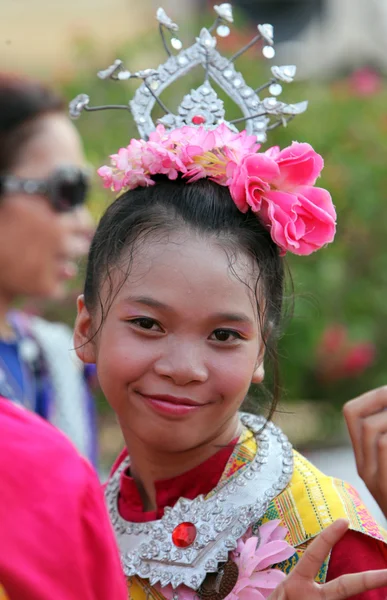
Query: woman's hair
pixel 205 208
pixel 22 102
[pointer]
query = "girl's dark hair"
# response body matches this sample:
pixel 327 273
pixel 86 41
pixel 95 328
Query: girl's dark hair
pixel 22 102
pixel 205 208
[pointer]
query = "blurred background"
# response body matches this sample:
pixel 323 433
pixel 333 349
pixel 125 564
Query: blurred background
pixel 335 345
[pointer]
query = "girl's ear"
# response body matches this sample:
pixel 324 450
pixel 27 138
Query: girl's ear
pixel 259 371
pixel 83 342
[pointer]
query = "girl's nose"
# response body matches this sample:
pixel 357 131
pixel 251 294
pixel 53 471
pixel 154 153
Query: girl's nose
pixel 183 363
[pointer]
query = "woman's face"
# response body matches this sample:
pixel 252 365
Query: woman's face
pixel 38 246
pixel 180 344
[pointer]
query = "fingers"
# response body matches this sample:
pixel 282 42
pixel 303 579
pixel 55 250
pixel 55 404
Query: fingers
pixel 347 586
pixel 366 418
pixel 372 428
pixel 310 563
pixel 356 411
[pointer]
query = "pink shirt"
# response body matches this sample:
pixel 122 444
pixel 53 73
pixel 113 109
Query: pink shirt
pixel 56 541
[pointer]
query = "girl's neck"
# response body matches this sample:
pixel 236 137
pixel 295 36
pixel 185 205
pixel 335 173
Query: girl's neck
pixel 148 465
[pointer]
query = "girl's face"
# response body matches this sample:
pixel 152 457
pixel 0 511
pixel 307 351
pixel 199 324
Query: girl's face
pixel 180 344
pixel 38 246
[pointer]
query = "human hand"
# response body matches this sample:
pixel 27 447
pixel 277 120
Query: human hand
pixel 366 418
pixel 300 584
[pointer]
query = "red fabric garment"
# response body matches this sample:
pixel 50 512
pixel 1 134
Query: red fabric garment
pixel 56 541
pixel 199 480
pixel 354 553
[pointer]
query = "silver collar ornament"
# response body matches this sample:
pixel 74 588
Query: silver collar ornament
pixel 218 521
pixel 202 106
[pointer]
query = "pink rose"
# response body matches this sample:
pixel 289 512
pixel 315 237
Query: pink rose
pixel 299 164
pixel 301 218
pixel 251 180
pixel 301 222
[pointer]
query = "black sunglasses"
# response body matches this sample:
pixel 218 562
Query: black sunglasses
pixel 65 189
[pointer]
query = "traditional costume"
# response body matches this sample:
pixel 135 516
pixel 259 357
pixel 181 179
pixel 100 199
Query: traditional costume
pixel 256 480
pixel 234 526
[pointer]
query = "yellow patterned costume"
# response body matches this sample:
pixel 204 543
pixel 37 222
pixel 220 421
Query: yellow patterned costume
pixel 310 503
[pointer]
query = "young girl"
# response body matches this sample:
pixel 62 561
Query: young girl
pixel 181 309
pixel 182 304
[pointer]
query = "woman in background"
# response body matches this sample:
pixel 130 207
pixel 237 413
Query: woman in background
pixel 45 228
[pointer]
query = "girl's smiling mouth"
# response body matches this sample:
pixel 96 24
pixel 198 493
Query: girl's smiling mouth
pixel 172 405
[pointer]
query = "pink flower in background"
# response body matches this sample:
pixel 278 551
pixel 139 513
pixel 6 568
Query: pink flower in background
pixel 365 82
pixel 340 358
pixel 359 358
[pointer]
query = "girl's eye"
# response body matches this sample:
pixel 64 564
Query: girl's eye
pixel 146 323
pixel 225 335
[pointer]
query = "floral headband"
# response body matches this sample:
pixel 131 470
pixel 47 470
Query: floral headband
pixel 277 185
pixel 198 141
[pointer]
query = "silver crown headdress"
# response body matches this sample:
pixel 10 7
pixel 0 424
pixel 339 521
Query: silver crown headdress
pixel 202 106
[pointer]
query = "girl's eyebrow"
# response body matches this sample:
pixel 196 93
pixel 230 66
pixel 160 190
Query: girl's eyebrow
pixel 234 317
pixel 148 301
pixel 237 317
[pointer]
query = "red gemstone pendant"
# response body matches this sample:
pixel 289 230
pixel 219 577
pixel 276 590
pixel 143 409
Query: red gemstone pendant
pixel 184 535
pixel 198 120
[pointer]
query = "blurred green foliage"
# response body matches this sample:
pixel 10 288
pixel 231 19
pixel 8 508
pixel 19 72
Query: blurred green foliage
pixel 346 283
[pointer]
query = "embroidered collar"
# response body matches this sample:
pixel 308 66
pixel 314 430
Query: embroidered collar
pixel 150 551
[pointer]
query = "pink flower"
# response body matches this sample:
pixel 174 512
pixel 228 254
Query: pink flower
pixel 300 222
pixel 366 82
pixel 256 579
pixel 337 357
pixel 251 180
pixel 299 164
pixel 280 187
pixel 215 153
pixel 107 175
pixel 277 184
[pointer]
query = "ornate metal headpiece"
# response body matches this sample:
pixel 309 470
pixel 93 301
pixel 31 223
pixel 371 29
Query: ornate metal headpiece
pixel 202 106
